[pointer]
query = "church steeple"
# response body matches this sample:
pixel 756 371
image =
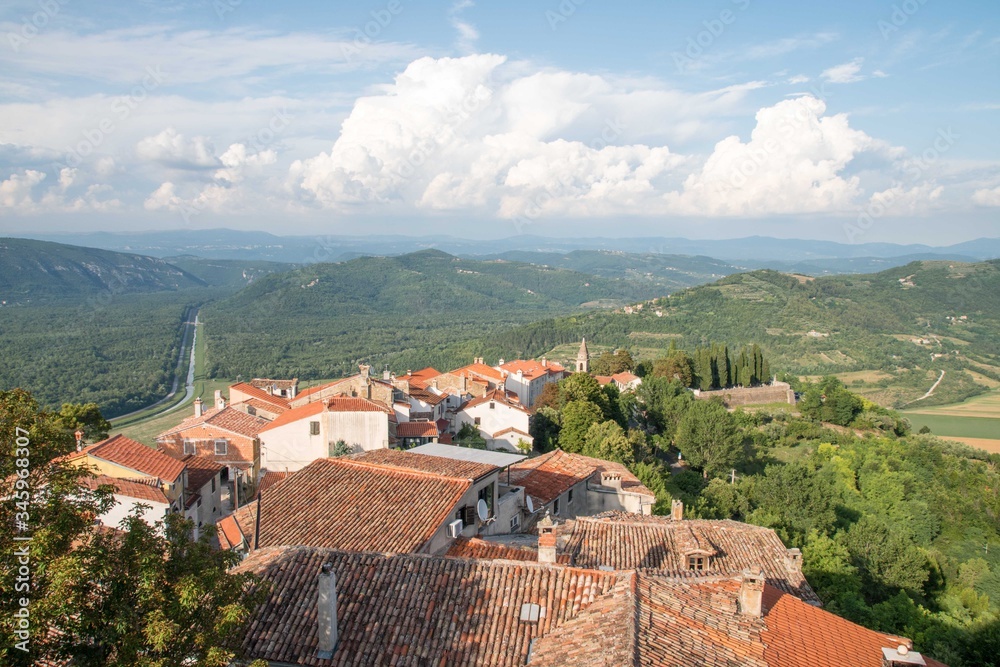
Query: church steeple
pixel 583 358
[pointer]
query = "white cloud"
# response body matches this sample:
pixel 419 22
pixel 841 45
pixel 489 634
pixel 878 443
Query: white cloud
pixel 793 163
pixel 170 148
pixel 15 192
pixel 798 78
pixel 237 162
pixel 467 33
pixel 164 198
pixel 987 197
pixel 845 73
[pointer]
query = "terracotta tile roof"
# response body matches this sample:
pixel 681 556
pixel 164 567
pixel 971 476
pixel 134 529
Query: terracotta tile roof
pixel 258 404
pixel 627 541
pixel 510 429
pixel 604 379
pixel 504 398
pixel 548 476
pixel 356 404
pixel 312 390
pixel 427 396
pixel 228 419
pixel 481 371
pixel 133 488
pixel 260 394
pixel 236 527
pixel 137 456
pixel 624 377
pixel 270 478
pixel 365 502
pixel 531 368
pixel 295 414
pixel 420 378
pixel 435 465
pixel 417 430
pixel 264 383
pixel 406 609
pixel 200 471
pixel 465 547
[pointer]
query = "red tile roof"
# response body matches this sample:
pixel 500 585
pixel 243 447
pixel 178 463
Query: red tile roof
pixel 406 609
pixel 145 490
pixel 200 471
pixel 270 478
pixel 312 390
pixel 420 378
pixel 480 371
pixel 504 398
pixel 427 396
pixel 228 419
pixel 531 368
pixel 131 454
pixel 548 476
pixel 417 430
pixel 465 547
pixel 258 404
pixel 295 414
pixel 355 404
pixel 625 377
pixel 237 527
pixel 384 500
pixel 259 394
pixel 626 541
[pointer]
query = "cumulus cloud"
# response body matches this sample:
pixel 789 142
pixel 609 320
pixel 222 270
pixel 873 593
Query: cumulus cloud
pixel 15 192
pixel 793 163
pixel 987 197
pixel 172 149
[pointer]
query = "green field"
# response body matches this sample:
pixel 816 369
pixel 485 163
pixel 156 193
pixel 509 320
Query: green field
pixel 963 427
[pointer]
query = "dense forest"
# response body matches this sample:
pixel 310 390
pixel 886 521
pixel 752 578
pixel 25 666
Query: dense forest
pixel 899 532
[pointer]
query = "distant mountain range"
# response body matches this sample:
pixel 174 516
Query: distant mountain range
pixel 243 245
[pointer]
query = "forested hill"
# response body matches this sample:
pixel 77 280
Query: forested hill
pixel 896 321
pixel 39 271
pixel 412 310
pixel 432 281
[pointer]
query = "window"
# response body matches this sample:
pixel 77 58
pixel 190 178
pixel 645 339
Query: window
pixel 486 493
pixel 221 447
pixel 313 428
pixel 515 523
pixel 189 446
pixel 555 507
pixel 492 405
pixel 569 497
pixel 251 410
pixel 213 485
pixel 697 563
pixel 478 421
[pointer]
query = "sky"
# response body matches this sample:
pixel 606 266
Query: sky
pixel 853 121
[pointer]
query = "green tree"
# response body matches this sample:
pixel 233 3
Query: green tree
pixel 544 428
pixel 469 436
pixel 610 363
pixel 151 596
pixel 677 366
pixel 583 387
pixel 663 402
pixel 887 560
pixel 577 418
pixel 709 439
pixel 86 417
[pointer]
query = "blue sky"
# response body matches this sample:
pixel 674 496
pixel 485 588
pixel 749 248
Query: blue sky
pixel 850 121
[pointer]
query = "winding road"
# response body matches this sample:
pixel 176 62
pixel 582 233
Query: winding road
pixel 930 391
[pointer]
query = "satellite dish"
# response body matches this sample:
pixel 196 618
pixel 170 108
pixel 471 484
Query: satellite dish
pixel 482 510
pixel 531 505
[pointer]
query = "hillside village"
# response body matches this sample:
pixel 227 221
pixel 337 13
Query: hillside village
pixel 383 542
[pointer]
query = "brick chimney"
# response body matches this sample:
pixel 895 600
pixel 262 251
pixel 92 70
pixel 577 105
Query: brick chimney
pixel 220 403
pixel 793 560
pixel 752 592
pixel 365 371
pixel 199 407
pixel 326 617
pixel 546 540
pixel 677 510
pixel 611 480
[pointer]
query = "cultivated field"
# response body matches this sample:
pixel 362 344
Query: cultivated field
pixel 986 406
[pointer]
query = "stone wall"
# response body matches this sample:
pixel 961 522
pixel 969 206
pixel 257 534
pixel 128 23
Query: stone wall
pixel 777 392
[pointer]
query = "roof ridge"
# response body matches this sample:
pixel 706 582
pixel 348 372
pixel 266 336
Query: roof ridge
pixel 401 469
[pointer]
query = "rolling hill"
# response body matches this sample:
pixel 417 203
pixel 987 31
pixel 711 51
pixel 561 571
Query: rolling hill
pixel 38 271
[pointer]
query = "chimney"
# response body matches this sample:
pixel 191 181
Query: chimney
pixel 611 480
pixel 752 592
pixel 326 617
pixel 220 403
pixel 793 560
pixel 500 362
pixel 902 656
pixel 365 371
pixel 545 362
pixel 79 440
pixel 386 375
pixel 677 510
pixel 546 540
pixel 199 407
